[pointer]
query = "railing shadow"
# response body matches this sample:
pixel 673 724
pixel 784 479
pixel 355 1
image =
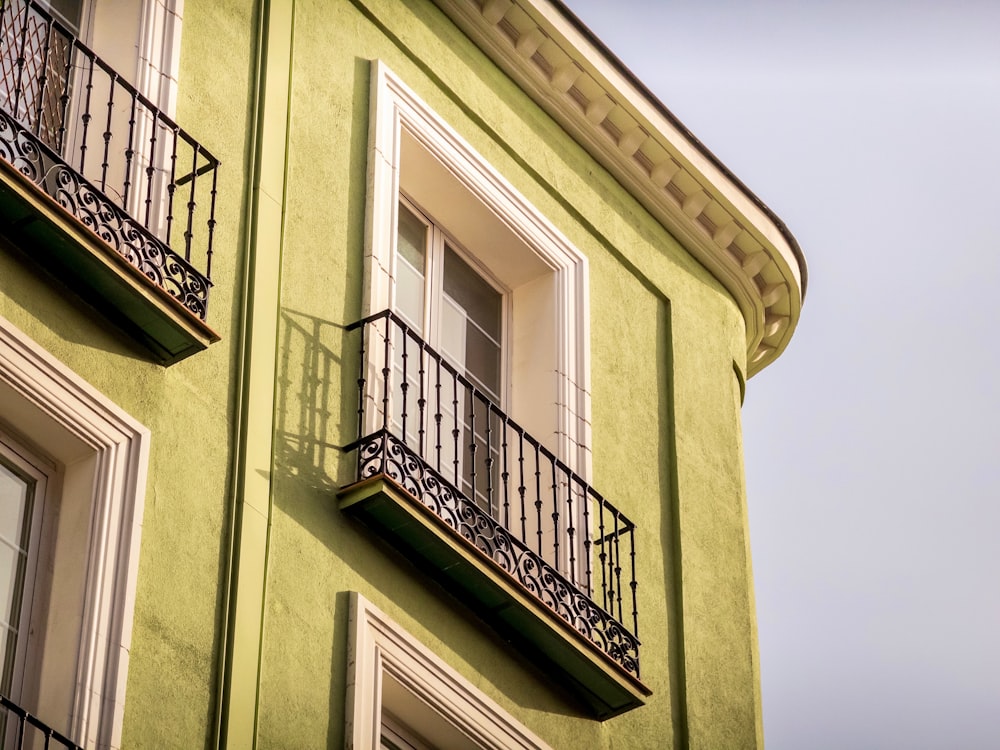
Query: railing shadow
pixel 307 436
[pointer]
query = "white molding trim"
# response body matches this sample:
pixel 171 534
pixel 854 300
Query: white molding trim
pixel 378 647
pixel 396 107
pixel 119 446
pixel 714 217
pixel 159 52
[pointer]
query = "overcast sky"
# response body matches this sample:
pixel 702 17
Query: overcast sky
pixel 873 444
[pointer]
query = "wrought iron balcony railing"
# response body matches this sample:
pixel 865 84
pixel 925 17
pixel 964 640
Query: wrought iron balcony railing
pixel 73 126
pixel 431 431
pixel 20 729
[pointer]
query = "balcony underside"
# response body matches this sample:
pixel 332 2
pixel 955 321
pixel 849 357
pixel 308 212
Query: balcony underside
pixel 61 245
pixel 541 635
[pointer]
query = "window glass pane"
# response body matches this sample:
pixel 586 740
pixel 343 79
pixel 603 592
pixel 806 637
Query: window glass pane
pixel 482 360
pixel 473 304
pixel 68 11
pixel 453 328
pixel 15 510
pixel 411 244
pixel 481 302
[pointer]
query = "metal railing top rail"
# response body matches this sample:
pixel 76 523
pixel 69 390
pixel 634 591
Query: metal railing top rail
pixel 627 524
pixel 76 128
pixel 70 35
pixel 532 505
pixel 24 720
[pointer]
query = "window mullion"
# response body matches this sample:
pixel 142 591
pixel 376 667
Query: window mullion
pixel 435 285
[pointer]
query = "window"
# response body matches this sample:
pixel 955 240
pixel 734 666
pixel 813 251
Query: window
pixel 488 282
pixel 400 695
pixel 449 301
pixel 452 304
pixel 416 156
pixel 473 352
pixel 23 484
pixel 82 485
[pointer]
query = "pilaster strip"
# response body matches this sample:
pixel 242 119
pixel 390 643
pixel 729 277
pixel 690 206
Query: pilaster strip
pixel 241 650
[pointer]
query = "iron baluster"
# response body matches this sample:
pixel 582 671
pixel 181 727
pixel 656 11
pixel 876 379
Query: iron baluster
pixel 172 186
pixel 404 386
pixel 488 464
pixel 42 82
pixel 521 489
pixel 634 584
pixel 150 170
pixel 421 402
pixel 538 497
pixel 21 60
pixel 472 444
pixel 609 573
pixel 387 358
pixel 129 152
pixel 570 527
pixel 189 232
pixel 617 569
pixel 211 224
pixel 555 516
pixel 85 119
pixel 64 97
pixel 455 432
pixel 587 544
pixel 505 473
pixel 362 371
pixel 19 732
pixel 108 133
pixel 602 556
pixel 437 417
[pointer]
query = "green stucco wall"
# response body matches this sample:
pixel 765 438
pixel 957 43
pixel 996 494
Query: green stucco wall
pixel 665 340
pixel 244 462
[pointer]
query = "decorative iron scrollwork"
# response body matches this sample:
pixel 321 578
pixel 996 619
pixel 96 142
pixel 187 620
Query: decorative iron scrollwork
pixel 154 259
pixel 384 454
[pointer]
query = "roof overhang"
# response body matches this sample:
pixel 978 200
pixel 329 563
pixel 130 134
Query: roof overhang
pixel 559 63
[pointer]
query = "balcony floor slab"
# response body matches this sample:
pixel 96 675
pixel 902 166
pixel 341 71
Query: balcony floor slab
pixel 540 635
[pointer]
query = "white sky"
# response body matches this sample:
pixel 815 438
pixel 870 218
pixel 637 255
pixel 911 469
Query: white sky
pixel 873 130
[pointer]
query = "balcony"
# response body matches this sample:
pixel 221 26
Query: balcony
pixel 101 189
pixel 19 729
pixel 495 517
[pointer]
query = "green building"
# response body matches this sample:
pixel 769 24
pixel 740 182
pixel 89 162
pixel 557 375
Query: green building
pixel 370 376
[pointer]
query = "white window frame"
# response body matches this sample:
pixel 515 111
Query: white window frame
pixel 26 464
pixel 142 40
pixel 105 455
pixel 378 647
pixel 437 238
pixel 395 108
pixel 147 49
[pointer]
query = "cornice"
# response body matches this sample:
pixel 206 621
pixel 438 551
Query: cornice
pixel 569 73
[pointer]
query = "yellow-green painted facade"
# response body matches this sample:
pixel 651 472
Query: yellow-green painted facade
pixel 240 629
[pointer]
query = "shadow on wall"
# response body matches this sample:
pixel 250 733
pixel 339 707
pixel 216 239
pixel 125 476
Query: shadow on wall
pixel 311 384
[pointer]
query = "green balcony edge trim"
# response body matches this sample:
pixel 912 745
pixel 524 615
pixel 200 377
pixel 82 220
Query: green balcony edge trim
pixel 56 241
pixel 542 637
